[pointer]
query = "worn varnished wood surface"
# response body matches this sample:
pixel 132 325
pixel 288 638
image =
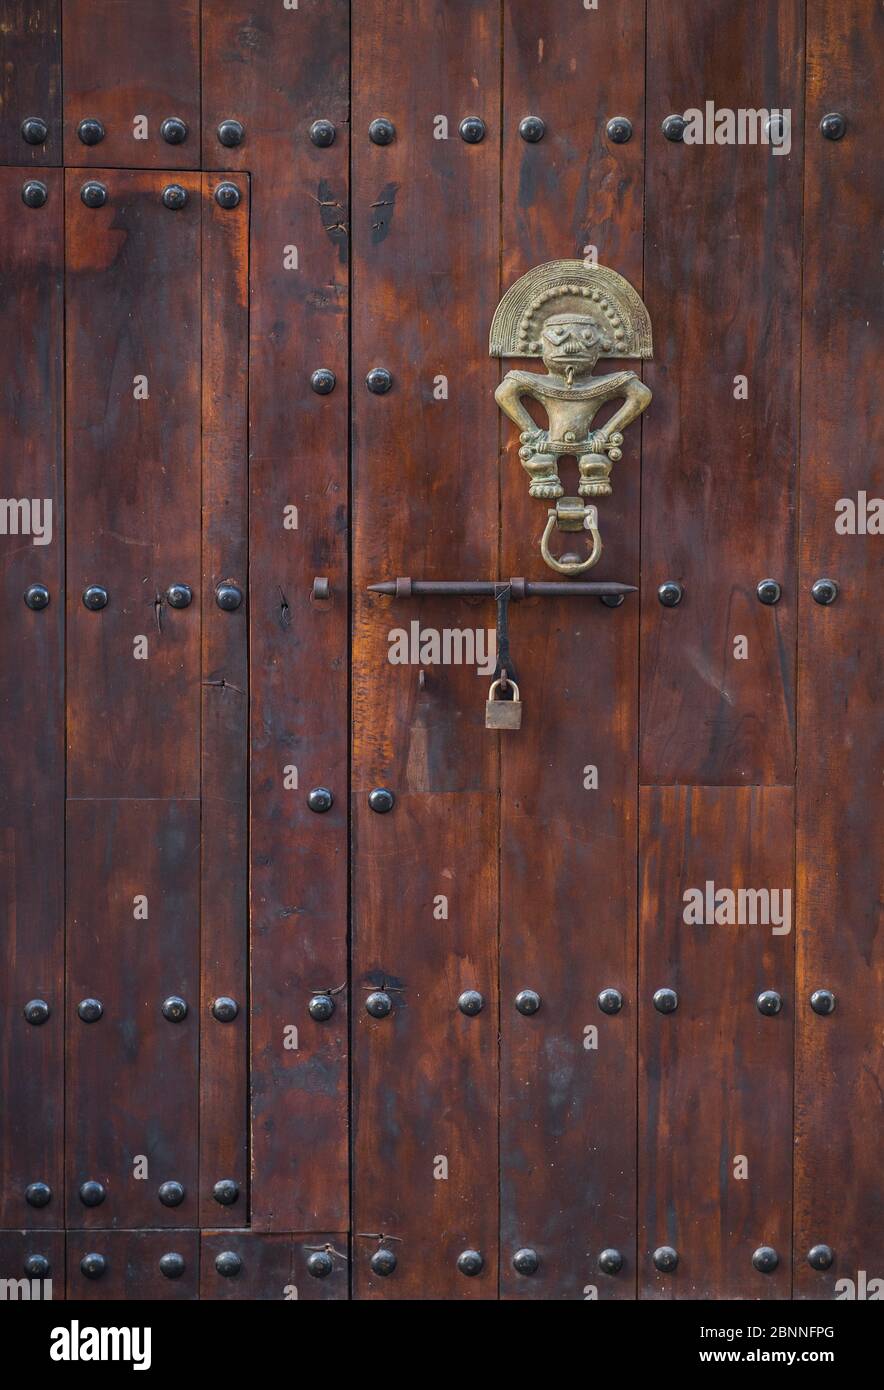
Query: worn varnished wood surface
pixel 30 80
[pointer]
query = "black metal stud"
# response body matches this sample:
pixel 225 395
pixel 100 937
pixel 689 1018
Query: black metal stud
pixel 90 1010
pixel 765 1259
pixel 527 1002
pixel 674 128
pixel 230 133
pixel 323 381
pixel 610 1001
pixel 670 594
pixel 225 1009
pixel 321 1007
pixel 768 591
pixel 820 1256
pixel 526 1261
pixel 610 1261
pixel 171 1194
pixel 472 130
pixel 323 133
pixel 665 1001
pixel 471 1002
pixel 37 597
pixel 93 194
pixel 37 1267
pixel 320 1264
pixel 38 1194
pixel 174 130
pixel 320 800
pixel 612 600
pixel 228 597
pixel 769 1002
pixel 532 129
pixel 174 197
pixel 381 799
pixel 379 381
pixel 470 1263
pixel 227 195
pixel 34 130
pixel 172 1265
pixel 93 1265
pixel 378 1004
pixel 822 1001
pixel 174 1008
pixel 833 125
pixel 225 1192
pixel 179 595
pixel 228 1263
pixel 36 1011
pixel 383 1262
pixel 92 1193
pixel 619 130
pixel 34 193
pixel 91 131
pixel 381 131
pixel 824 591
pixel 95 598
pixel 666 1259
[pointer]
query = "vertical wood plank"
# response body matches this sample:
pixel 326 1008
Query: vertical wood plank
pixel 135 1265
pixel 722 269
pixel 426 239
pixel 274 1267
pixel 31 699
pixel 715 1075
pixel 30 80
pixel 276 71
pixel 840 801
pixel 568 854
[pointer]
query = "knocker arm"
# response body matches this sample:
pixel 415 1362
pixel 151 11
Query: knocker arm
pixel 508 396
pixel 636 398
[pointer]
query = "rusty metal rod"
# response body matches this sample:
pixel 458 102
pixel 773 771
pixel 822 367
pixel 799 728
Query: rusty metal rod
pixel 519 588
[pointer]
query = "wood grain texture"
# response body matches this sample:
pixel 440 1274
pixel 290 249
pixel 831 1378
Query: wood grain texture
pixel 277 71
pixel 129 58
pixel 840 803
pixel 30 79
pixel 426 234
pixel 132 1270
pixel 274 1267
pixel 715 1076
pixel 568 854
pixel 31 698
pixel 722 270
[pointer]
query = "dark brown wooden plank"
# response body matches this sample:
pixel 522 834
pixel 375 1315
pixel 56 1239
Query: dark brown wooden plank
pixel 133 465
pixel 132 1089
pixel 127 62
pixel 31 698
pixel 722 270
pixel 277 71
pixel 426 236
pixel 273 1267
pixel 133 1265
pixel 715 1075
pixel 37 1258
pixel 30 81
pixel 568 853
pixel 840 801
pixel 224 724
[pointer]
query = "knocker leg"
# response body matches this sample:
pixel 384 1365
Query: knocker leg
pixel 543 471
pixel 595 472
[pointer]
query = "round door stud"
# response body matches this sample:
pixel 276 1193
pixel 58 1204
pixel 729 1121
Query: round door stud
pixel 378 1004
pixel 323 133
pixel 666 1258
pixel 526 1261
pixel 174 197
pixel 612 600
pixel 230 133
pixel 381 800
pixel 320 1264
pixel 824 591
pixel 833 126
pixel 225 1009
pixel 92 1193
pixel 471 1002
pixel 379 381
pixel 34 193
pixel 765 1259
pixel 769 592
pixel 470 1263
pixel 37 1267
pixel 90 131
pixel 610 1001
pixel 93 194
pixel 670 594
pixel 228 1263
pixel 38 1194
pixel 95 598
pixel 383 1262
pixel 36 1011
pixel 610 1261
pixel 174 1008
pixel 320 800
pixel 381 131
pixel 93 1265
pixel 321 1007
pixel 820 1256
pixel 174 130
pixel 228 597
pixel 527 1002
pixel 532 129
pixel 90 1010
pixel 822 1001
pixel 674 128
pixel 179 596
pixel 34 130
pixel 472 130
pixel 172 1265
pixel 769 1002
pixel 619 130
pixel 227 195
pixel 323 381
pixel 37 597
pixel 665 1001
pixel 171 1194
pixel 225 1192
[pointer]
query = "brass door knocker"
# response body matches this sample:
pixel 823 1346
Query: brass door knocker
pixel 570 315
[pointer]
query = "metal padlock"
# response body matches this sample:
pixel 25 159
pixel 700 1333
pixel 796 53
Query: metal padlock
pixel 503 714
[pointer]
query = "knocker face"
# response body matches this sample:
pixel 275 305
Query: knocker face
pixel 571 344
